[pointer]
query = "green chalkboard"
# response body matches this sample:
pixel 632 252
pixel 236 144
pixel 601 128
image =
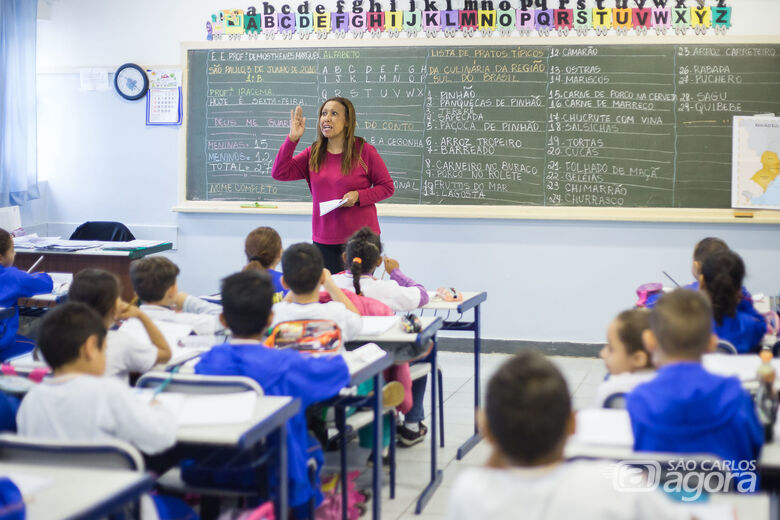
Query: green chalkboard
pixel 550 125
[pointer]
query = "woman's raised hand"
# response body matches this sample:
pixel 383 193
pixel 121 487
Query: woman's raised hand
pixel 297 124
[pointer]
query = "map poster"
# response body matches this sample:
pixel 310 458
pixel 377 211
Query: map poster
pixel 755 162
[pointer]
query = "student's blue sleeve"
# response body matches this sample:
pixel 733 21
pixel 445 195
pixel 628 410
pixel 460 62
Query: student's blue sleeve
pixel 746 306
pixel 755 430
pixel 316 379
pixel 31 284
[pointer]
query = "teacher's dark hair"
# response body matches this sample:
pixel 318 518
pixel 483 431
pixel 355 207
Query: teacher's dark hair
pixel 364 250
pixel 353 146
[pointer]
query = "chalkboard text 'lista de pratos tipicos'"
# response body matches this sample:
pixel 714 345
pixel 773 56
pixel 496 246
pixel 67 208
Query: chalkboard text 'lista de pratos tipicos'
pixel 579 125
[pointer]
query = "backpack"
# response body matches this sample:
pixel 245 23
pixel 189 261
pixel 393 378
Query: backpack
pixel 310 336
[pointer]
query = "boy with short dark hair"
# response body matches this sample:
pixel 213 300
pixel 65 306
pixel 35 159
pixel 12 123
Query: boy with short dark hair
pixel 526 420
pixel 686 409
pixel 303 272
pixel 154 281
pixel 246 309
pixel 79 405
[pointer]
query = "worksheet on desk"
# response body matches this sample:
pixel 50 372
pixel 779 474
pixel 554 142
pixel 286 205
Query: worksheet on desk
pixel 206 409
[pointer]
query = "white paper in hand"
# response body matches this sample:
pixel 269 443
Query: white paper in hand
pixel 329 205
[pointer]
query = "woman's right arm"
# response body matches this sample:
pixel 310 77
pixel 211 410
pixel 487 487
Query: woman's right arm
pixel 286 167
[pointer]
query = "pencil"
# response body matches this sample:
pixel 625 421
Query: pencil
pixel 32 268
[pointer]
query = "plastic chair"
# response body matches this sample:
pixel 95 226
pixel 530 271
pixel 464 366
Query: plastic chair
pixel 725 347
pixel 616 400
pixel 107 454
pixel 104 231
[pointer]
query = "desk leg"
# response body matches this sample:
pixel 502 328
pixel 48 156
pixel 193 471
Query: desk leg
pixel 377 469
pixel 436 474
pixel 341 426
pixel 283 507
pixel 474 439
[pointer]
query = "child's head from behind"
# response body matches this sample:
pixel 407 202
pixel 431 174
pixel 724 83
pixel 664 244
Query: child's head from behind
pixel 721 278
pixel 363 254
pixel 625 351
pixel 680 327
pixel 263 248
pixel 247 298
pixel 302 265
pixel 7 252
pixel 527 411
pixel 704 248
pixel 97 288
pixel 73 334
pixel 154 278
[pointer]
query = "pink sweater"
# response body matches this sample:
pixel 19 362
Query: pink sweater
pixel 328 184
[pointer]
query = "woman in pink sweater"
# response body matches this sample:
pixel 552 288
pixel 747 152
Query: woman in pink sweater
pixel 337 166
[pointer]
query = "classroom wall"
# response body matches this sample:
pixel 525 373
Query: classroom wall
pixel 547 280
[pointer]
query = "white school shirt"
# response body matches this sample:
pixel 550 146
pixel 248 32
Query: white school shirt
pixel 389 292
pixel 202 315
pixel 349 322
pixel 621 384
pixel 125 354
pixel 85 408
pixel 583 490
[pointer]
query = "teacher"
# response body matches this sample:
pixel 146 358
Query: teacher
pixel 337 166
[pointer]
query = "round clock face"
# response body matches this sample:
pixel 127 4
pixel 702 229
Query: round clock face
pixel 130 81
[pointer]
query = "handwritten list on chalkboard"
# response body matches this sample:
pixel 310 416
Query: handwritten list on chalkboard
pixel 556 125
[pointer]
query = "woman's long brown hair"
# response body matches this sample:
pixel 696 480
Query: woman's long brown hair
pixel 353 146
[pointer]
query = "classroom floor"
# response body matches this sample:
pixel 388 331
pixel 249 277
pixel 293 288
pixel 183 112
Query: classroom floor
pixel 413 464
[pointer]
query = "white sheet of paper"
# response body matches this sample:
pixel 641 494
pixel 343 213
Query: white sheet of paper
pixel 376 325
pixel 93 79
pixel 602 426
pixel 362 356
pixel 172 331
pixel 207 409
pixel 329 205
pixel 29 484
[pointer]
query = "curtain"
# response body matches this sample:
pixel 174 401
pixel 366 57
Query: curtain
pixel 18 147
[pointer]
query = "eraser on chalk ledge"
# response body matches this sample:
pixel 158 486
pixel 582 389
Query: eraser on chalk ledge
pixel 743 214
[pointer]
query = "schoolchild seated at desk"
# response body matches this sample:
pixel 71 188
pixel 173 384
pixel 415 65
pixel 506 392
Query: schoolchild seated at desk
pixel 15 284
pixel 246 301
pixel 263 250
pixel 78 404
pixel 686 409
pixel 154 281
pixel 526 420
pixel 124 354
pixel 304 272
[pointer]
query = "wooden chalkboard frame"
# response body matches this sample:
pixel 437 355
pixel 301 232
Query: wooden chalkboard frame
pixel 692 215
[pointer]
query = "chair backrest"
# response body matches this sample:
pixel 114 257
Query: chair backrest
pixel 106 231
pixel 616 400
pixel 199 384
pixel 725 347
pixel 107 454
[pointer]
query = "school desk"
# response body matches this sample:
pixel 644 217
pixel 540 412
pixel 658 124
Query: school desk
pixel 471 300
pixel 78 492
pixel 117 262
pixel 395 336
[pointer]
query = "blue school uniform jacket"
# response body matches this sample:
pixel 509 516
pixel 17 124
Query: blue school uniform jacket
pixel 686 409
pixel 15 284
pixel 284 372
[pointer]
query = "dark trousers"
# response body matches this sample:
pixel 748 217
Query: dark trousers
pixel 331 253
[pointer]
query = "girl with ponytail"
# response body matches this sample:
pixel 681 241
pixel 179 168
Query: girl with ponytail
pixel 721 278
pixel 263 250
pixel 362 257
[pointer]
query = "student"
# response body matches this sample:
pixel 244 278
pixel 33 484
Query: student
pixel 686 409
pixel 304 272
pixel 526 420
pixel 154 281
pixel 625 356
pixel 263 249
pixel 125 354
pixel 15 284
pixel 721 278
pixel 363 256
pixel 78 405
pixel 246 303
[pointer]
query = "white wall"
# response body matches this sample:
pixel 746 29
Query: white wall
pixel 546 280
